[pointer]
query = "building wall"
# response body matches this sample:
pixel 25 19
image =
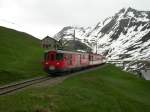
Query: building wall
pixel 49 43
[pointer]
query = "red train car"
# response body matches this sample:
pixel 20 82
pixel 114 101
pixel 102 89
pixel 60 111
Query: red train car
pixel 58 61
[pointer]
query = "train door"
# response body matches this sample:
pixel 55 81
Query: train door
pixel 91 59
pixel 78 59
pixel 52 56
pixel 69 59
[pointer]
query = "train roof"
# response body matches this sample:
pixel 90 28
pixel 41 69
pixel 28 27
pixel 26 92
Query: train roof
pixel 70 52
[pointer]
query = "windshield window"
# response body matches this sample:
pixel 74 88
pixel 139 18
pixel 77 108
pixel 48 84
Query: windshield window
pixel 52 57
pixel 59 56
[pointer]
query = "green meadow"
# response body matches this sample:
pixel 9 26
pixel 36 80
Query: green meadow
pixel 107 89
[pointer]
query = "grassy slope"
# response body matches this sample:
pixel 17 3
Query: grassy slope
pixel 20 56
pixel 105 90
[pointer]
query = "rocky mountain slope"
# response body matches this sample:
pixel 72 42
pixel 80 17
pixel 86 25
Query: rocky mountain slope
pixel 124 36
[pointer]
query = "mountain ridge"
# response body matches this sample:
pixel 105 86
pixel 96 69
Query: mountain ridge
pixel 124 36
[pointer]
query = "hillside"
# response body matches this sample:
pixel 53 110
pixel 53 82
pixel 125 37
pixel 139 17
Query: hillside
pixel 20 56
pixel 107 89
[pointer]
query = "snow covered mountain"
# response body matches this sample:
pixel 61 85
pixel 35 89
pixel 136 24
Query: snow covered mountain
pixel 74 37
pixel 124 36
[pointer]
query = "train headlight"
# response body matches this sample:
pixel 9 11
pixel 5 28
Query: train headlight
pixel 46 63
pixel 51 68
pixel 57 63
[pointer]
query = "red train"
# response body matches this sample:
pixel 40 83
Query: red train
pixel 59 61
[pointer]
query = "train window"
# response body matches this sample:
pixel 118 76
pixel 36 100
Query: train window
pixel 89 57
pixel 69 59
pixel 92 58
pixel 59 56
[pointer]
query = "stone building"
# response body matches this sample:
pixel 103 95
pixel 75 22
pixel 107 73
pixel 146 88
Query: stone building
pixel 48 43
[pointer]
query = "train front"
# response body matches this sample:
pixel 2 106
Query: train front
pixel 54 62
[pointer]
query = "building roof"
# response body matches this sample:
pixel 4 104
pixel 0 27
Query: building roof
pixel 48 37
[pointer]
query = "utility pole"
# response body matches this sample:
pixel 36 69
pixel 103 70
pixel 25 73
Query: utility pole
pixel 74 36
pixel 96 46
pixel 96 42
pixel 61 43
pixel 74 39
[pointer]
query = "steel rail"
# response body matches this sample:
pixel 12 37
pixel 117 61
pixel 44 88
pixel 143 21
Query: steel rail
pixel 14 87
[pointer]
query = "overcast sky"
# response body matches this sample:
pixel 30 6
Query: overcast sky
pixel 47 17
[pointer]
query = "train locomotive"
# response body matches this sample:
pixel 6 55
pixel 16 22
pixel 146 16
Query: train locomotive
pixel 59 61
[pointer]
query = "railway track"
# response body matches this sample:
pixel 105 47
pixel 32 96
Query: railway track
pixel 20 85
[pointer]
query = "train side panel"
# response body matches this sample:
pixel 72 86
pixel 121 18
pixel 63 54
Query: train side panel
pixel 95 59
pixel 77 60
pixel 61 61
